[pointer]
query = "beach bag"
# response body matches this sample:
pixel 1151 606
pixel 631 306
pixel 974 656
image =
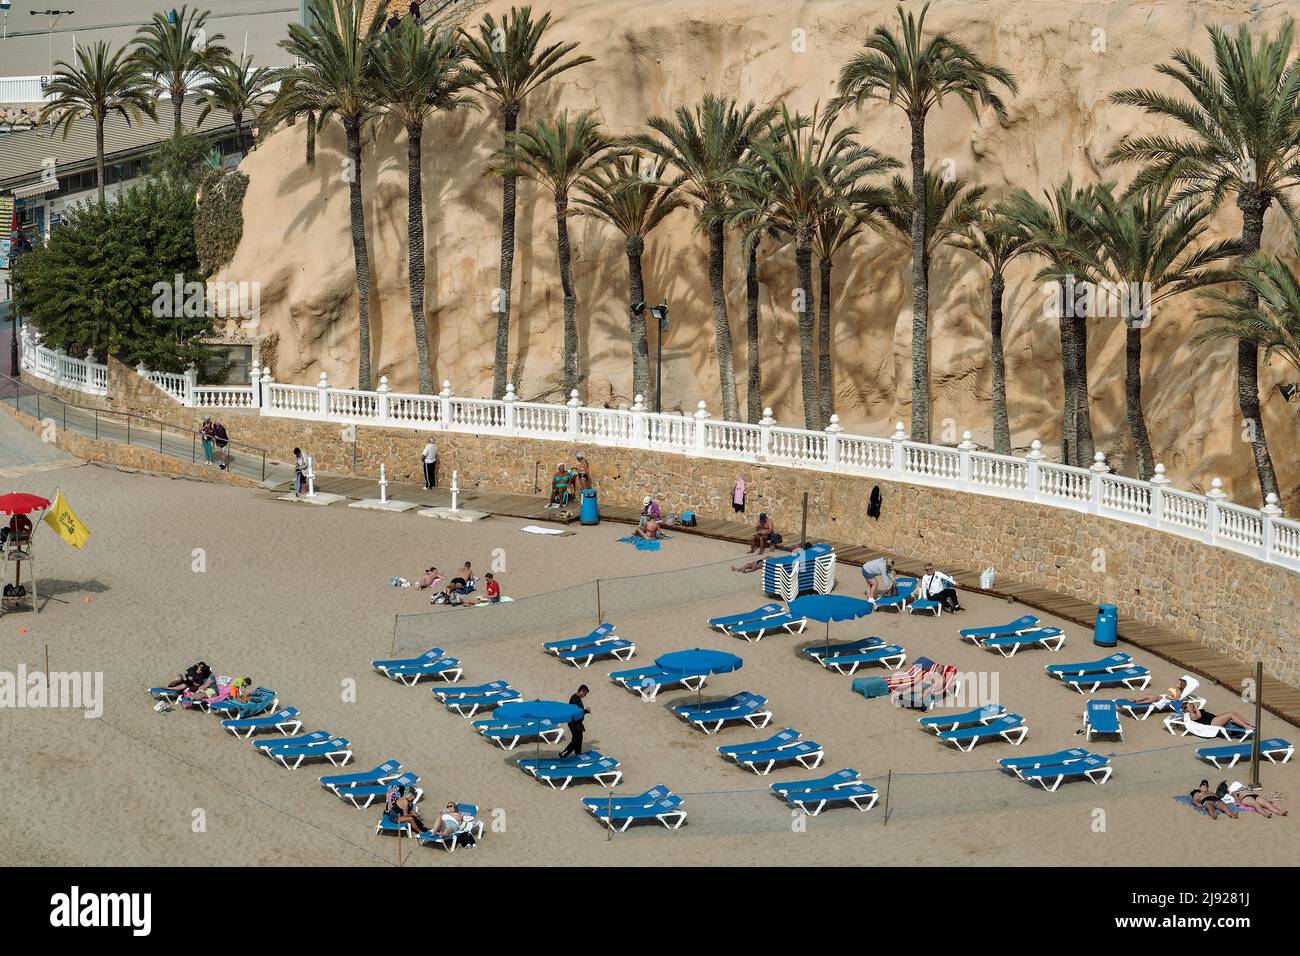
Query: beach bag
pixel 688 519
pixel 887 585
pixel 987 576
pixel 774 538
pixel 871 686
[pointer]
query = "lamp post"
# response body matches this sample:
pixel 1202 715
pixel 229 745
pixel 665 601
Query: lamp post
pixel 4 6
pixel 660 314
pixel 54 18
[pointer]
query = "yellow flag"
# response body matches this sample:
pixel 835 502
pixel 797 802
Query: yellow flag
pixel 69 527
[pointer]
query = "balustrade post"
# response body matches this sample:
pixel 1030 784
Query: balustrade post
pixel 1034 476
pixel 264 388
pixel 638 422
pixel 254 380
pixel 765 434
pixel 323 398
pixel 833 442
pixel 382 404
pixel 573 404
pixel 190 377
pixel 1098 468
pixel 1158 482
pixel 900 453
pixel 508 406
pixel 701 416
pixel 963 459
pixel 1213 497
pixel 1270 511
pixel 444 404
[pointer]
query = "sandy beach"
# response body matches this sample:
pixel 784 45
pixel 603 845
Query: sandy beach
pixel 298 598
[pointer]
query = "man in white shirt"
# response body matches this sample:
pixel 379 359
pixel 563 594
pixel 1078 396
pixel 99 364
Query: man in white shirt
pixel 937 586
pixel 429 458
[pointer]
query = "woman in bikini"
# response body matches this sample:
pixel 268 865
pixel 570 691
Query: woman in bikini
pixel 1211 802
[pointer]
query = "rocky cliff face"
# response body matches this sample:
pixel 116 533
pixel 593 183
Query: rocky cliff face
pixel 654 56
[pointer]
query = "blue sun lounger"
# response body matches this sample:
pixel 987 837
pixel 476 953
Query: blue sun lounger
pixel 432 654
pixel 1102 717
pixel 653 795
pixel 362 795
pixel 755 631
pixel 466 690
pixel 1274 750
pixel 278 743
pixel 386 771
pixel 1092 767
pixel 1051 638
pixel 261 700
pixel 1114 662
pixel 1134 678
pixel 819 652
pixel 980 715
pixel 444 668
pixel 583 656
pixel 649 681
pixel 336 750
pixel 780 739
pixel 604 771
pixel 1008 727
pixel 448 841
pixel 807 753
pixel 533 764
pixel 165 693
pixel 508 734
pixel 247 726
pixel 978 634
pixel 886 655
pixel 667 811
pixel 569 643
pixel 711 717
pixel 1017 764
pixel 728 620
pixel 896 602
pixel 859 795
pixel 469 706
pixel 840 778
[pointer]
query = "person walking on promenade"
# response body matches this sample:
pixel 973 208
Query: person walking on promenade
pixel 205 433
pixel 222 440
pixel 299 472
pixel 429 459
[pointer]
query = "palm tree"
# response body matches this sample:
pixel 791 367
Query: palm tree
pixel 558 154
pixel 755 226
pixel 1144 250
pixel 508 63
pixel 788 187
pixel 336 53
pixel 419 73
pixel 1272 322
pixel 289 112
pixel 176 52
pixel 1055 230
pixel 239 89
pixel 1242 119
pixel 951 205
pixel 991 239
pixel 916 73
pixel 100 85
pixel 708 143
pixel 625 191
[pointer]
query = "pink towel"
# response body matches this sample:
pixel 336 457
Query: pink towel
pixel 738 496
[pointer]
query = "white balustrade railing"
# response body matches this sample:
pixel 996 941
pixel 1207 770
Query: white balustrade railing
pixel 1262 534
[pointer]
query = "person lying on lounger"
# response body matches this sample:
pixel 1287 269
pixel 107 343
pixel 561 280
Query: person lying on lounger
pixel 400 809
pixel 1253 797
pixel 1196 715
pixel 1177 692
pixel 1211 802
pixel 451 822
pixel 195 678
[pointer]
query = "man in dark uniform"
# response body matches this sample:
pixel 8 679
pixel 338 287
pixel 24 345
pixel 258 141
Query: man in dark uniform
pixel 575 725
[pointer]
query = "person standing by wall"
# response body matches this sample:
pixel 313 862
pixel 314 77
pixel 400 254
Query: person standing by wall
pixel 582 474
pixel 205 433
pixel 299 472
pixel 429 459
pixel 576 726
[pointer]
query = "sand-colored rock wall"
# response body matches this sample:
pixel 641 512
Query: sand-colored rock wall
pixel 652 57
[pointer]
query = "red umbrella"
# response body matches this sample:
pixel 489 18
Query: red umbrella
pixel 21 503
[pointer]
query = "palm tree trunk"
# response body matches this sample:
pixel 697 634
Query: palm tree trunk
pixel 1069 372
pixel 570 299
pixel 1082 414
pixel 178 104
pixel 753 357
pixel 635 246
pixel 99 158
pixel 1001 425
pixel 311 139
pixel 415 253
pixel 360 254
pixel 721 328
pixel 510 121
pixel 824 385
pixel 238 119
pixel 807 363
pixel 1253 206
pixel 1137 423
pixel 920 291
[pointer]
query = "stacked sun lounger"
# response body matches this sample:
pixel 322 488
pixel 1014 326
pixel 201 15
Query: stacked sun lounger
pixel 712 717
pixel 470 700
pixel 1274 750
pixel 650 680
pixel 433 663
pixel 1117 670
pixel 559 772
pixel 1006 639
pixel 1049 770
pixel 781 748
pixel 656 805
pixel 809 571
pixel 846 658
pixel 839 789
pixel 600 643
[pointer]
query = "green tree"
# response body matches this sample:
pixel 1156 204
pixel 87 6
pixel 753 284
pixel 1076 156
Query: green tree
pixel 626 192
pixel 509 62
pixel 418 74
pixel 558 155
pixel 176 52
pixel 101 84
pixel 336 54
pixel 917 72
pixel 1240 137
pixel 239 89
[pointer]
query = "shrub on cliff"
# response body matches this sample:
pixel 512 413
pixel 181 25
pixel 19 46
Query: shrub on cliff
pixel 94 288
pixel 219 217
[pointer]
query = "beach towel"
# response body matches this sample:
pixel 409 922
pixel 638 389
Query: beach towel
pixel 871 686
pixel 399 582
pixel 503 600
pixel 536 529
pixel 645 544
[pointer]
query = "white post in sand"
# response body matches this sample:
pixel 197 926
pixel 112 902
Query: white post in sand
pixel 311 478
pixel 383 484
pixel 455 491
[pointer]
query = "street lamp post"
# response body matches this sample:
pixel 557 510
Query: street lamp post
pixel 660 314
pixel 4 6
pixel 54 18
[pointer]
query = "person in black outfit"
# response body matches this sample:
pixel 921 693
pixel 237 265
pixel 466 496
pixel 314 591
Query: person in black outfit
pixel 575 726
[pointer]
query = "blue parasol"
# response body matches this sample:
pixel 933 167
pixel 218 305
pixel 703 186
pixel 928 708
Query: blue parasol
pixel 700 661
pixel 830 607
pixel 555 711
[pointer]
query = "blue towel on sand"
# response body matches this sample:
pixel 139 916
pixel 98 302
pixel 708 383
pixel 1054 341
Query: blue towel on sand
pixel 645 544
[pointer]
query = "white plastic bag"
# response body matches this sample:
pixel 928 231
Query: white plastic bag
pixel 987 577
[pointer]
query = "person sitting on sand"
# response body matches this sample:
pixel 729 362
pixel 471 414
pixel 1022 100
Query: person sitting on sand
pixel 453 823
pixel 466 576
pixel 431 579
pixel 649 511
pixel 1254 799
pixel 1211 802
pixel 400 809
pixel 763 532
pixel 1196 717
pixel 649 529
pixel 196 678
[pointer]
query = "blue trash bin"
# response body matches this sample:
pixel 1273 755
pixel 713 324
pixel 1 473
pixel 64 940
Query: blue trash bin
pixel 589 513
pixel 1106 633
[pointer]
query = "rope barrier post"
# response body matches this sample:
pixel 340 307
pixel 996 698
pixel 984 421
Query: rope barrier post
pixel 599 616
pixel 610 836
pixel 888 781
pixel 1259 706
